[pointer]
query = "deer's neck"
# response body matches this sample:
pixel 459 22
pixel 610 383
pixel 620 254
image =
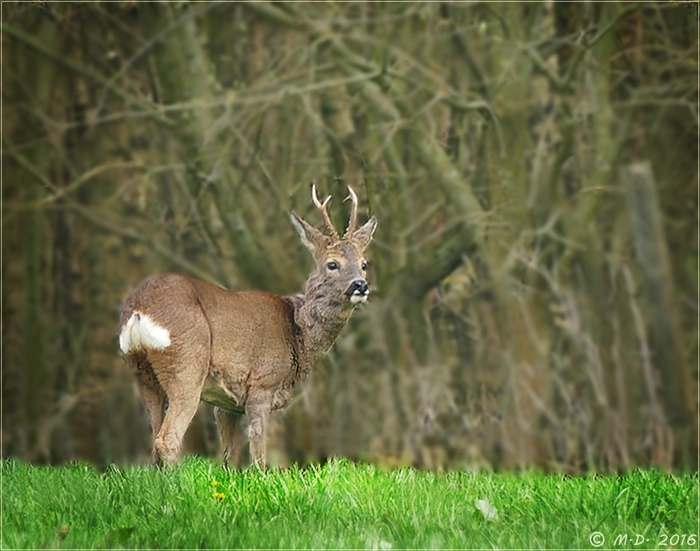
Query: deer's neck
pixel 320 325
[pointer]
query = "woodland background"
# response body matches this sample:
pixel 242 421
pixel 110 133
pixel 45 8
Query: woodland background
pixel 534 170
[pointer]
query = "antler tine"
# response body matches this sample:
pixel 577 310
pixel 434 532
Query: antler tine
pixel 352 224
pixel 323 207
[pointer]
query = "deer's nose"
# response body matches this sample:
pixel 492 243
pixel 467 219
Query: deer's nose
pixel 358 290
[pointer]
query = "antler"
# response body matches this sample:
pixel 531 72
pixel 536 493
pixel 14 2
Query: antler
pixel 323 207
pixel 352 224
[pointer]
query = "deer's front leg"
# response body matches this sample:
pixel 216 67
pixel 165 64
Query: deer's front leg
pixel 258 413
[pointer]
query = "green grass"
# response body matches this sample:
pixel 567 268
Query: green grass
pixel 339 505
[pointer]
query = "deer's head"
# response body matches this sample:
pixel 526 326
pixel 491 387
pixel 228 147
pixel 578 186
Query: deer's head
pixel 338 278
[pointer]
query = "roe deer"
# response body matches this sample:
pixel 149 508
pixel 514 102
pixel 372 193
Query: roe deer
pixel 187 340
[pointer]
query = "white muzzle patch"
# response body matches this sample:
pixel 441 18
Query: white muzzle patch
pixel 357 298
pixel 141 332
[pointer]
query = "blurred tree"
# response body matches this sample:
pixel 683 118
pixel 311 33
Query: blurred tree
pixel 499 146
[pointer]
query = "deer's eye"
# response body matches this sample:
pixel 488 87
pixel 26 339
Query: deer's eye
pixel 332 266
pixel 364 266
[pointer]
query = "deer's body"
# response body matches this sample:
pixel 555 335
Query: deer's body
pixel 243 352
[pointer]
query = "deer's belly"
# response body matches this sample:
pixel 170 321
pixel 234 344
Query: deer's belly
pixel 232 394
pixel 214 394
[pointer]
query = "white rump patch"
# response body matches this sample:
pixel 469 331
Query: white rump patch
pixel 141 332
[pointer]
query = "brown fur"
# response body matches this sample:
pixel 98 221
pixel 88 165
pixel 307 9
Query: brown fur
pixel 241 351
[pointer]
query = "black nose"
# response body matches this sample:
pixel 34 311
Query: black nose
pixel 358 287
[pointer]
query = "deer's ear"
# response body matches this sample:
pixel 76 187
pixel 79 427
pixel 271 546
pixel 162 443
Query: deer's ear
pixel 310 236
pixel 364 235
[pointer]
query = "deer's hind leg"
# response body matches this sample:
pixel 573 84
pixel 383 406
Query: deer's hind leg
pixel 152 394
pixel 229 424
pixel 182 377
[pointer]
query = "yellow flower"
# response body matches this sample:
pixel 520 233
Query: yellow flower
pixel 218 495
pixel 215 483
